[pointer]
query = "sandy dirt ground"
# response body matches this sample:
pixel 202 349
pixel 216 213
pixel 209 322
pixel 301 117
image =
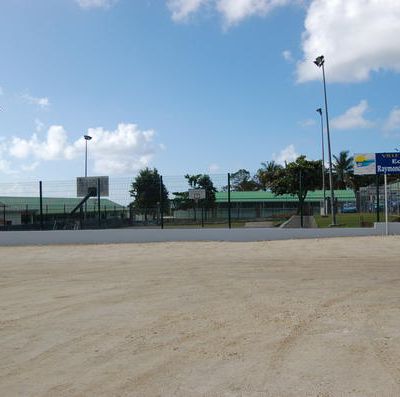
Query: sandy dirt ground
pixel 282 318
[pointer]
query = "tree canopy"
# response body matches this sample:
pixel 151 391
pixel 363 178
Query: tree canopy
pixel 242 181
pixel 147 192
pixel 199 181
pixel 266 174
pixel 287 179
pixel 343 167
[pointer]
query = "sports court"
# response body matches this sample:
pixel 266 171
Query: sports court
pixel 293 318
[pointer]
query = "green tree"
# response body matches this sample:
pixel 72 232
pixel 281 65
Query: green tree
pixel 343 167
pixel 287 179
pixel 181 201
pixel 266 174
pixel 241 181
pixel 146 192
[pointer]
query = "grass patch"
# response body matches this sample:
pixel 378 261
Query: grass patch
pixel 353 220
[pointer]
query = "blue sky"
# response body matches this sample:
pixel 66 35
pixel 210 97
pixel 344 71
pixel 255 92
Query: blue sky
pixel 191 85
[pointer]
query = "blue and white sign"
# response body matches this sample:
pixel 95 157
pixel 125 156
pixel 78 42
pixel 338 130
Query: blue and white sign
pixel 387 163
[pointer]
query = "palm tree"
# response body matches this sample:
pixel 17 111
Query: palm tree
pixel 266 174
pixel 343 167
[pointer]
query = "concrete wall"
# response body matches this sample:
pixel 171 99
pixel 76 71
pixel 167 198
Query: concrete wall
pixel 135 235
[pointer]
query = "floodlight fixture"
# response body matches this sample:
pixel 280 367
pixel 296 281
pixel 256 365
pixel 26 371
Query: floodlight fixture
pixel 319 61
pixel 87 138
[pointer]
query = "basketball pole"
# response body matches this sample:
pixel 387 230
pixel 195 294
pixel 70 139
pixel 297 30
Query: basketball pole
pixel 386 208
pixel 162 202
pixel 41 205
pixel 202 211
pixel 98 203
pixel 377 198
pixel 229 201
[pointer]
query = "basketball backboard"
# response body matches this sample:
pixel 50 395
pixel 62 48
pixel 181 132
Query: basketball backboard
pixel 84 184
pixel 197 194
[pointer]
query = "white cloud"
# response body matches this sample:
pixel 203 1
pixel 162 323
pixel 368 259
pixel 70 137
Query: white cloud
pixel 287 56
pixel 121 151
pixel 235 11
pixel 5 165
pixel 232 11
pixel 96 3
pixel 182 9
pixel 41 102
pixel 353 118
pixel 307 123
pixel 287 154
pixel 356 37
pixel 213 167
pixel 30 167
pixel 52 148
pixel 393 121
pixel 38 125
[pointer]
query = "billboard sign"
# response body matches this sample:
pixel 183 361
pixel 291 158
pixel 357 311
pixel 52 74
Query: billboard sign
pixel 388 163
pixel 364 164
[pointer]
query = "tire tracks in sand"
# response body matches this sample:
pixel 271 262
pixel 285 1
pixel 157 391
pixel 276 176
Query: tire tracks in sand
pixel 288 343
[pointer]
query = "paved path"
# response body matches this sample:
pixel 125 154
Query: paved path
pixel 295 222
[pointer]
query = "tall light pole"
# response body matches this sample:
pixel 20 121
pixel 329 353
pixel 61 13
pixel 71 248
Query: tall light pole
pixel 87 138
pixel 319 110
pixel 320 61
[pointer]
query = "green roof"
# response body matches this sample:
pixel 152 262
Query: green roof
pixel 55 205
pixel 262 196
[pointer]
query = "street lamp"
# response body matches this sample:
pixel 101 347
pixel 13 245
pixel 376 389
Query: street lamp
pixel 319 110
pixel 87 138
pixel 320 61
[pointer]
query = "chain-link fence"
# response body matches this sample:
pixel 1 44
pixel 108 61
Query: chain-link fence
pixel 166 202
pixel 56 205
pixel 372 200
pixel 225 204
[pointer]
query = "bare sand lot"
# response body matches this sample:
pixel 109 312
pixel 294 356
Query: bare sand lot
pixel 282 318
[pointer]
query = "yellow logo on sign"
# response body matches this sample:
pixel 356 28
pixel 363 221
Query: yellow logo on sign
pixel 363 161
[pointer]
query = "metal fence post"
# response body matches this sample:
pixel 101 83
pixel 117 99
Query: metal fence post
pixel 41 205
pixel 229 201
pixel 98 202
pixel 161 202
pixel 81 218
pixel 301 200
pixel 377 198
